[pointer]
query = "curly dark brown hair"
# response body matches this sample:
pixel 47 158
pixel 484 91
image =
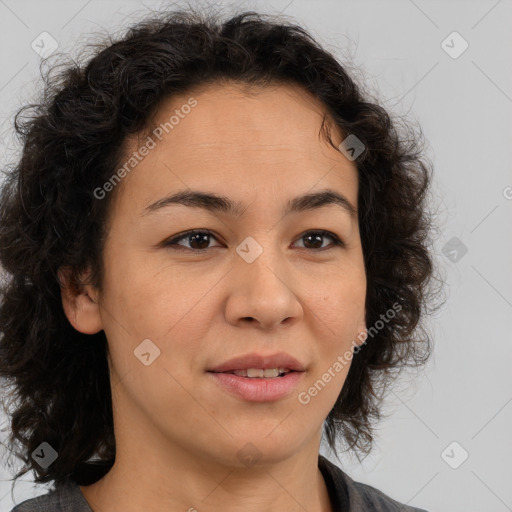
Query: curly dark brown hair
pixel 74 139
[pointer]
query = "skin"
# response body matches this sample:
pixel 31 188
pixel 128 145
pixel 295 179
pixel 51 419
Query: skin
pixel 177 432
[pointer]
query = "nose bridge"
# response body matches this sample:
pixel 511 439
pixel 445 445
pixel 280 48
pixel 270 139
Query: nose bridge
pixel 262 290
pixel 261 256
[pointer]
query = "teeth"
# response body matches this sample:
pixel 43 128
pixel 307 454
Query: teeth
pixel 259 372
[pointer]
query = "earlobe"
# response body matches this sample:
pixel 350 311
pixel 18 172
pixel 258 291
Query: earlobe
pixel 80 304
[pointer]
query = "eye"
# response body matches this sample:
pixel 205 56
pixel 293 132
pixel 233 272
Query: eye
pixel 194 237
pixel 201 238
pixel 315 237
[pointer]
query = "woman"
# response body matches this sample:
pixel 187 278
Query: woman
pixel 221 248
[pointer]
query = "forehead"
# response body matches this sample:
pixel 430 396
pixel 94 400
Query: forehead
pixel 241 140
pixel 236 113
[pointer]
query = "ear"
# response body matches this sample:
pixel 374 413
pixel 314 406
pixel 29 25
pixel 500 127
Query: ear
pixel 80 304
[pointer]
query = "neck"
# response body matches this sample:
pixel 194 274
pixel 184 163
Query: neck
pixel 185 483
pixel 155 471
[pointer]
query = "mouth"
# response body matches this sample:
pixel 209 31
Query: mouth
pixel 258 389
pixel 259 378
pixel 254 364
pixel 260 373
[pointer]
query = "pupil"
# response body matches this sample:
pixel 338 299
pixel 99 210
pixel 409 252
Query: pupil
pixel 196 237
pixel 318 239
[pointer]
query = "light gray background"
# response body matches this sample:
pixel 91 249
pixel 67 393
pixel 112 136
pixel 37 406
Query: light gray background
pixel 464 107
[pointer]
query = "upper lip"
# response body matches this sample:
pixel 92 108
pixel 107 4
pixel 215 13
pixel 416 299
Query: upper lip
pixel 279 360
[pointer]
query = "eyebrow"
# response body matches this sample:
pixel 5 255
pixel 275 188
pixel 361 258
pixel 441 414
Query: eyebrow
pixel 216 203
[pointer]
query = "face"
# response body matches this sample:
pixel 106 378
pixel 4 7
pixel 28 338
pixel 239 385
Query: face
pixel 275 279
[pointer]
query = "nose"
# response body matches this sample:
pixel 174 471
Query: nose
pixel 263 293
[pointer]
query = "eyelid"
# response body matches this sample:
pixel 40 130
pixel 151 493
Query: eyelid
pixel 169 242
pixel 172 242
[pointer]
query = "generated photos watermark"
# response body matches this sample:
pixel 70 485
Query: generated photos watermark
pixel 150 143
pixel 344 359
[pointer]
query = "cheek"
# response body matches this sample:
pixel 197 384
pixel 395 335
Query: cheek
pixel 340 305
pixel 150 299
pixel 338 312
pixel 171 310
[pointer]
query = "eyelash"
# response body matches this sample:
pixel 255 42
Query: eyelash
pixel 173 241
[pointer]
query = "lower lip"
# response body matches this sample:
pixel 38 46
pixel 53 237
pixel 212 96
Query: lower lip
pixel 255 389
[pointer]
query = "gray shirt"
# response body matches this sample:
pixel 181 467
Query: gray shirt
pixel 345 494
